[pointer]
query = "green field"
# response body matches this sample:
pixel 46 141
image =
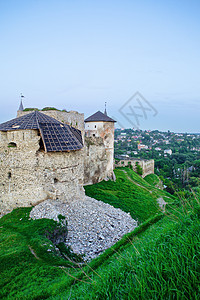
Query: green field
pixel 158 260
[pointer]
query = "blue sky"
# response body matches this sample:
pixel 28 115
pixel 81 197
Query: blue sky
pixel 78 54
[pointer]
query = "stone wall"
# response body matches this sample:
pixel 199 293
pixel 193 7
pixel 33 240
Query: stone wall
pixel 146 165
pixel 98 155
pixel 95 160
pixel 105 131
pixel 29 175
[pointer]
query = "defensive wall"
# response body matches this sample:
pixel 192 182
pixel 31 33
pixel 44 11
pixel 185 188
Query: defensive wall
pixel 101 133
pixel 146 165
pixel 98 149
pixel 29 175
pixel 95 160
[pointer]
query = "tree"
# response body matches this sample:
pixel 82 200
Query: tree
pixel 139 170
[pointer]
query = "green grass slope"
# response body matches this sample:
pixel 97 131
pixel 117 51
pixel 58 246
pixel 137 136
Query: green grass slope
pixel 152 179
pixel 162 262
pixel 129 192
pixel 29 264
pixel 158 260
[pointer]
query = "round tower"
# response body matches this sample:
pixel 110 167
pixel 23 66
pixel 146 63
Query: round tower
pixel 101 125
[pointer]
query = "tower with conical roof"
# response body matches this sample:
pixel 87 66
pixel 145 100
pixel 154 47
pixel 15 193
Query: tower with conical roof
pixel 100 125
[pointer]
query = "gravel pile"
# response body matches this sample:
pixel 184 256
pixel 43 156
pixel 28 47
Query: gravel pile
pixel 93 225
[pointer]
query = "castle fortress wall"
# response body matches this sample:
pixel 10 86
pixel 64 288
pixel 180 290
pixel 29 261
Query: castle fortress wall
pixel 29 175
pixel 146 165
pixel 95 160
pixel 105 132
pixel 99 148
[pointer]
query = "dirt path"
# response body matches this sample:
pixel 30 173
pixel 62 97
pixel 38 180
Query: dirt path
pixel 136 183
pixel 160 200
pixel 34 254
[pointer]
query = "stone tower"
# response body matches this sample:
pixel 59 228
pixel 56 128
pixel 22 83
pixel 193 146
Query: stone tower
pixel 41 158
pixel 100 125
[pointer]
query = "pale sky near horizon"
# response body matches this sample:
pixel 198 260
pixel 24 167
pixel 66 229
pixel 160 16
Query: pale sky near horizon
pixel 78 54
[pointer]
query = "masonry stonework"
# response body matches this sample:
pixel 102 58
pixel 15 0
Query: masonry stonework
pixel 95 160
pixel 105 131
pixel 146 165
pixel 29 175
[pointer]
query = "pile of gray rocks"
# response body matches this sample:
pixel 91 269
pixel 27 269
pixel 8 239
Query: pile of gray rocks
pixel 93 226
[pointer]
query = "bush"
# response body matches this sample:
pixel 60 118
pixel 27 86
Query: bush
pixel 30 109
pixel 49 108
pixel 139 170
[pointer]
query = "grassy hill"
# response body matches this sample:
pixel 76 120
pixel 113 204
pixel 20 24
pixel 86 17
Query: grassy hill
pixel 131 193
pixel 158 260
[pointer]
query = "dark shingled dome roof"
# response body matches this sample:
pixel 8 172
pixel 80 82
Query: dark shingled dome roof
pixel 56 136
pixel 99 116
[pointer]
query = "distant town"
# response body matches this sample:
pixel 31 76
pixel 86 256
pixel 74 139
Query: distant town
pixel 176 155
pixel 138 143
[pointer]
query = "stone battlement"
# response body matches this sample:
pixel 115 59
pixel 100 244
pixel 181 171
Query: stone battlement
pixel 146 165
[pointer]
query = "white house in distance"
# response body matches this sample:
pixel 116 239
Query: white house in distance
pixel 141 146
pixel 168 151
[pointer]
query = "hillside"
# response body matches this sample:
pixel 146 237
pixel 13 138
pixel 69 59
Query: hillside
pixel 131 193
pixel 158 260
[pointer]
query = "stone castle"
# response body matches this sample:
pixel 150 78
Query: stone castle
pixel 52 154
pixel 49 155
